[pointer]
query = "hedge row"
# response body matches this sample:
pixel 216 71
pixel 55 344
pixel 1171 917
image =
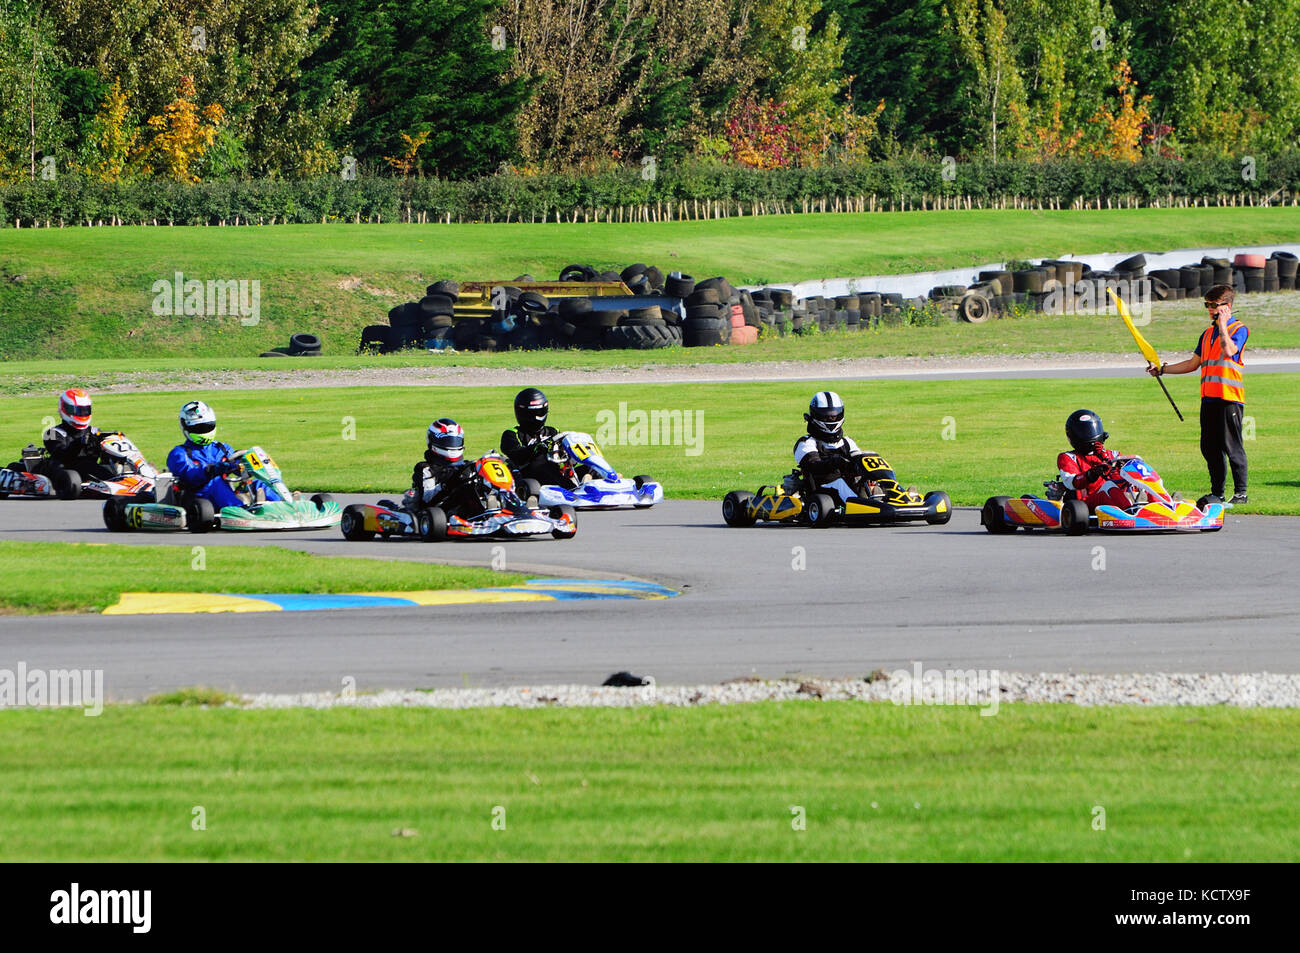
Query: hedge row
pixel 684 191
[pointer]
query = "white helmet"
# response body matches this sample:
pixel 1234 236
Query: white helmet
pixel 198 423
pixel 825 415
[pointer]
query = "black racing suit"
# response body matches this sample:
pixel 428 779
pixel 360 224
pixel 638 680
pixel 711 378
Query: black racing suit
pixel 824 461
pixel 435 482
pixel 72 449
pixel 529 455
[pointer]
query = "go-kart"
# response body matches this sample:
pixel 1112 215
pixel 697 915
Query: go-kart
pixel 123 473
pixel 498 511
pixel 1154 509
pixel 248 468
pixel 590 483
pixel 868 492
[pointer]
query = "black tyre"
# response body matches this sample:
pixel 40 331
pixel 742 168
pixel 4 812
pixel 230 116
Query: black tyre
pixel 559 511
pixel 819 509
pixel 67 484
pixel 1030 279
pixel 573 307
pixel 199 515
pixel 642 337
pixel 273 354
pixel 992 515
pixel 1074 517
pixel 304 344
pixel 577 273
pixel 678 285
pixel 632 271
pixel 604 319
pixel 431 305
pixel 353 524
pixel 975 308
pixel 449 288
pixel 941 502
pixel 654 278
pixel 642 317
pixel 735 508
pixel 703 296
pixel 115 515
pixel 533 302
pixel 704 312
pixel 376 338
pixel 1133 265
pixel 432 524
pixel 947 291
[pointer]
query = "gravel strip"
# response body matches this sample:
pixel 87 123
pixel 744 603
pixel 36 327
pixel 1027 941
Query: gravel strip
pixel 1261 690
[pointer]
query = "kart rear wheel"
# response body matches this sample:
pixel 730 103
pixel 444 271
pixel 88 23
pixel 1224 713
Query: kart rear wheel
pixel 67 484
pixel 735 508
pixel 1074 517
pixel 432 524
pixel 199 515
pixel 353 524
pixel 115 515
pixel 992 516
pixel 940 501
pixel 320 499
pixel 820 510
pixel 571 513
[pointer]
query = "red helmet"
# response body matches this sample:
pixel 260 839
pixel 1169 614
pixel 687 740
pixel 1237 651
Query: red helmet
pixel 74 408
pixel 447 440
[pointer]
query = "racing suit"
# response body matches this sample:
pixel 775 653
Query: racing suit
pixel 198 470
pixel 434 482
pixel 828 463
pixel 1098 491
pixel 72 449
pixel 528 454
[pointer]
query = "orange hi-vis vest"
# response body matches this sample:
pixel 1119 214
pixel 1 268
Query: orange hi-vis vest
pixel 1221 376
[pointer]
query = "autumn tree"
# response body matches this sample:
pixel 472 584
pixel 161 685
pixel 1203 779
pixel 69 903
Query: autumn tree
pixel 183 134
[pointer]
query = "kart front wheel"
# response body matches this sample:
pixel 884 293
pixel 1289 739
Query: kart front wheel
pixel 199 515
pixel 353 524
pixel 735 508
pixel 1074 517
pixel 572 514
pixel 993 516
pixel 432 524
pixel 114 515
pixel 67 484
pixel 820 510
pixel 942 506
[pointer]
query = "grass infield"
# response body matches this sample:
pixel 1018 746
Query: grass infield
pixel 36 574
pixel 973 438
pixel 874 781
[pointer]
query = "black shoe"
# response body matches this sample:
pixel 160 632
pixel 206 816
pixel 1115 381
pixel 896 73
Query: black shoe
pixel 1238 498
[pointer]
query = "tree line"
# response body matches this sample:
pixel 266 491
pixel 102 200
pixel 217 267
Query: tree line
pixel 125 91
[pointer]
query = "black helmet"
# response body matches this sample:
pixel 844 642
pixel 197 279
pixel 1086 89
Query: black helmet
pixel 1084 431
pixel 825 416
pixel 531 408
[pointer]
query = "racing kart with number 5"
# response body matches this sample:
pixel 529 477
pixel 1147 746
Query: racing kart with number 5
pixel 498 511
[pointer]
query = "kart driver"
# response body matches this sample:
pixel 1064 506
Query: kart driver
pixel 1084 469
pixel 439 478
pixel 74 443
pixel 825 454
pixel 200 464
pixel 529 446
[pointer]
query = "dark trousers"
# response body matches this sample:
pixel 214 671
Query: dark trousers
pixel 1221 437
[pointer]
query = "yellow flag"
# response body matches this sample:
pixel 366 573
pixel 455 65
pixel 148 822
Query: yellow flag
pixel 1143 345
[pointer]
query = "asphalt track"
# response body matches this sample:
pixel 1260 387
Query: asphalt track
pixel 949 597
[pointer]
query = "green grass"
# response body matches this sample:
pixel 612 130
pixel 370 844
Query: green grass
pixel 88 293
pixel 36 574
pixel 1007 433
pixel 877 782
